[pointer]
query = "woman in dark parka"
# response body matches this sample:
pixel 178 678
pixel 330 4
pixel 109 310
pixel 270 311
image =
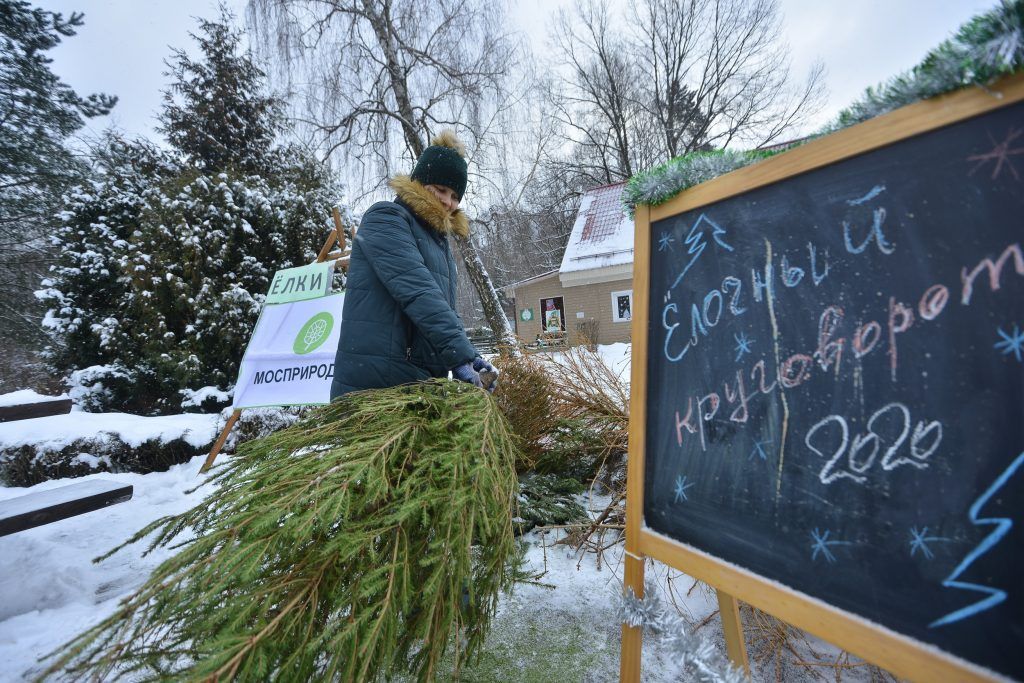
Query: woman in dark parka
pixel 399 323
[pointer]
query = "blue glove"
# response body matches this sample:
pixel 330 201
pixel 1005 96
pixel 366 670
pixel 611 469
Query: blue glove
pixel 482 366
pixel 466 373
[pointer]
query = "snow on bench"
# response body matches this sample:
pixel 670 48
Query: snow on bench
pixel 37 509
pixel 27 404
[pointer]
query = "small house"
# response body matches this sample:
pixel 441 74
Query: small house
pixel 590 297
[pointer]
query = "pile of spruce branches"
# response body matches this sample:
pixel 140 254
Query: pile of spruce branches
pixel 362 542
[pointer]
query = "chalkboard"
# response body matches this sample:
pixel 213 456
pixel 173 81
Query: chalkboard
pixel 835 385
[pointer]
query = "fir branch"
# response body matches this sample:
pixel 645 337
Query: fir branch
pixel 345 547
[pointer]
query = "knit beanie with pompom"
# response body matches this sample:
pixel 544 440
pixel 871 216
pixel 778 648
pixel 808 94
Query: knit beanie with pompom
pixel 443 163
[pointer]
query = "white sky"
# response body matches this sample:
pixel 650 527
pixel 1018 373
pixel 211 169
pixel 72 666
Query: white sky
pixel 121 48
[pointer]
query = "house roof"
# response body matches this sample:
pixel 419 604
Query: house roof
pixel 602 235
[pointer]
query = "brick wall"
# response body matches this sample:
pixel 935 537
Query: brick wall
pixel 593 301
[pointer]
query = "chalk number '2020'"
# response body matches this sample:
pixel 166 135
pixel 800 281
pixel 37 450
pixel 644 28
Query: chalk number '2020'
pixel 887 431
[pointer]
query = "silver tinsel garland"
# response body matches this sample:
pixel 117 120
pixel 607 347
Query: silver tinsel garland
pixel 698 658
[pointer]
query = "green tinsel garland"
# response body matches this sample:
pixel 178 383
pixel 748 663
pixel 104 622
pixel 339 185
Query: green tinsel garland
pixel 986 48
pixel 359 543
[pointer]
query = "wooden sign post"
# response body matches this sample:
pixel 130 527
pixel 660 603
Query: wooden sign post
pixel 827 410
pixel 327 253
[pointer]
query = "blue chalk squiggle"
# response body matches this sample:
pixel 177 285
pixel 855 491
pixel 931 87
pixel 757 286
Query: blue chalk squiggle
pixel 1003 526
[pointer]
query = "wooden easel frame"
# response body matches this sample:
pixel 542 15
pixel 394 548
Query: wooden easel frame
pixel 340 257
pixel 901 655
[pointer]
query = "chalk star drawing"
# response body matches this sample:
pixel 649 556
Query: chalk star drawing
pixel 681 486
pixel 1000 154
pixel 1012 343
pixel 665 242
pixel 758 450
pixel 821 544
pixel 919 540
pixel 742 344
pixel 1002 527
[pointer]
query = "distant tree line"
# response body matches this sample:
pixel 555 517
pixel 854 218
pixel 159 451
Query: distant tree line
pixel 620 89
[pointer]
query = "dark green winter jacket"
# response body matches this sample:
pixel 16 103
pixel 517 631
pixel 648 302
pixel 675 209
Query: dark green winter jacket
pixel 399 323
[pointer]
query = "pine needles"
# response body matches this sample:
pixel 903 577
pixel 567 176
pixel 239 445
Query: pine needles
pixel 346 547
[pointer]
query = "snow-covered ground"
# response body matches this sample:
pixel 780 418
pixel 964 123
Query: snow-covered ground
pixel 49 588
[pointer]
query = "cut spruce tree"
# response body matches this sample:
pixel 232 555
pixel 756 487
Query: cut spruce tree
pixel 362 542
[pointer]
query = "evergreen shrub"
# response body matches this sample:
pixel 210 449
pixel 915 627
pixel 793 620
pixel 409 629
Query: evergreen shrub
pixel 29 465
pixel 165 254
pixel 546 499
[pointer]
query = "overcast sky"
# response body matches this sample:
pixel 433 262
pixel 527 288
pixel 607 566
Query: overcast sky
pixel 121 48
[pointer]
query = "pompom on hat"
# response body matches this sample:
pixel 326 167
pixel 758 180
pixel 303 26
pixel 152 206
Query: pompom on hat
pixel 443 163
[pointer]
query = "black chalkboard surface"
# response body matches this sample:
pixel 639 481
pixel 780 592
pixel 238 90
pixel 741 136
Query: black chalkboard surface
pixel 835 385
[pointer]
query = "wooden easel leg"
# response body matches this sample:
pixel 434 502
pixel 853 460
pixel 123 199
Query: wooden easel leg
pixel 219 444
pixel 732 626
pixel 632 637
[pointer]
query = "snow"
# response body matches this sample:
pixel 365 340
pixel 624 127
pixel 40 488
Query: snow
pixel 15 507
pixel 21 396
pixel 50 590
pixel 196 398
pixel 57 431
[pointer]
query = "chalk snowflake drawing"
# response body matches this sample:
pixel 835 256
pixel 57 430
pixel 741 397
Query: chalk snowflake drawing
pixel 1002 527
pixel 681 486
pixel 1011 343
pixel 758 450
pixel 742 344
pixel 820 544
pixel 665 242
pixel 1000 154
pixel 919 540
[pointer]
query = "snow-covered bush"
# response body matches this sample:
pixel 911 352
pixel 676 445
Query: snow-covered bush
pixel 255 423
pixel 97 386
pixel 166 255
pixel 29 464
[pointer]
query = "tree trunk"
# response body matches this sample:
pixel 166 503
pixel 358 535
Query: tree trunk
pixel 496 318
pixel 495 314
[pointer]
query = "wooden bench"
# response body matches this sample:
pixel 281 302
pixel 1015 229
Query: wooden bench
pixel 27 411
pixel 43 507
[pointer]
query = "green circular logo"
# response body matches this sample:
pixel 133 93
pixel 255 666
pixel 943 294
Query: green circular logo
pixel 314 333
pixel 526 314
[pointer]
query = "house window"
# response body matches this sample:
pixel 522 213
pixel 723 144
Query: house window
pixel 552 312
pixel 622 306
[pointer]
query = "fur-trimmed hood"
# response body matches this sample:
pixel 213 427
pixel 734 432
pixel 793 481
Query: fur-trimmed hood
pixel 429 208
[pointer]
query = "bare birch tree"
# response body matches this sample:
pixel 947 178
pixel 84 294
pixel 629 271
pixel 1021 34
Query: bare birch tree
pixel 384 76
pixel 680 75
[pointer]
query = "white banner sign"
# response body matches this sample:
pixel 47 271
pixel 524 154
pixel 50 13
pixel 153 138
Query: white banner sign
pixel 290 358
